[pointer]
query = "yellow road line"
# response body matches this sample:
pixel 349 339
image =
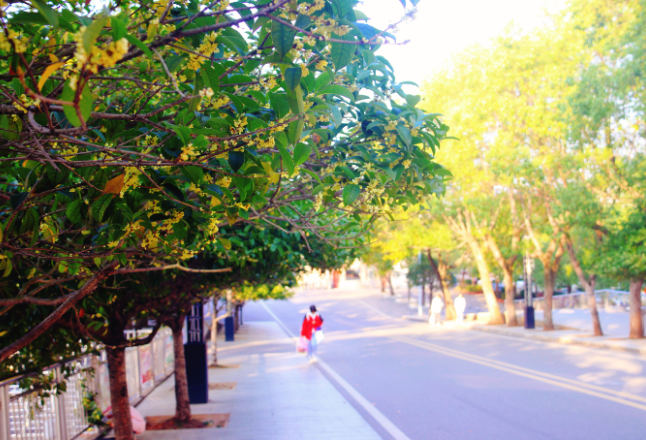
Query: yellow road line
pixel 591 390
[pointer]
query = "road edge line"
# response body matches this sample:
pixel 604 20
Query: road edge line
pixel 381 419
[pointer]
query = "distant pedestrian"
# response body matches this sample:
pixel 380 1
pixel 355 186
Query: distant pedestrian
pixel 460 304
pixel 436 309
pixel 311 323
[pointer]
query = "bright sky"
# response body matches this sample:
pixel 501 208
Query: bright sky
pixel 444 28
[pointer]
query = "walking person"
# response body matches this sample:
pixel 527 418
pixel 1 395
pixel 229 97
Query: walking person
pixel 436 309
pixel 311 323
pixel 460 305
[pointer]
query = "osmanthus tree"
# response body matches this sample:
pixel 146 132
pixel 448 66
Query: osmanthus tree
pixel 132 134
pixel 261 265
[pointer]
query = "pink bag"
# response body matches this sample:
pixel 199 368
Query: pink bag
pixel 301 345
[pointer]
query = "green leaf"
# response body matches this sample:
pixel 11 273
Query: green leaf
pixel 288 163
pixel 46 11
pixel 184 133
pixel 279 104
pixel 336 90
pixel 7 269
pixel 236 160
pixel 85 104
pixel 99 206
pixel 405 134
pixel 193 173
pixel 342 7
pixel 342 54
pixel 283 38
pixel 302 21
pixel 119 29
pixel 293 77
pixel 134 41
pixel 30 221
pixel 211 77
pixel 295 131
pixel 10 129
pixel 322 80
pixel 350 194
pixel 226 243
pixel 73 212
pixel 301 153
pixel 311 173
pixel 92 32
pixel 29 17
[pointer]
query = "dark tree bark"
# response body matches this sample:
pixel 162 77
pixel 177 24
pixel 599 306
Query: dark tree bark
pixel 635 301
pixel 182 403
pixel 119 398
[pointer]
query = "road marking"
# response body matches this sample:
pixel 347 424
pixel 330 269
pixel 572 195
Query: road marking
pixel 375 309
pixel 389 426
pixel 593 390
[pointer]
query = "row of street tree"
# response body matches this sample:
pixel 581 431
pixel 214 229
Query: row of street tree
pixel 155 153
pixel 549 158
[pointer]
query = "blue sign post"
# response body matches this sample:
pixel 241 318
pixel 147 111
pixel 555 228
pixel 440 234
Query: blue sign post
pixel 197 370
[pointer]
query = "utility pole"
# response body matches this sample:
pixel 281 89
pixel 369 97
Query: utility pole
pixel 529 300
pixel 420 297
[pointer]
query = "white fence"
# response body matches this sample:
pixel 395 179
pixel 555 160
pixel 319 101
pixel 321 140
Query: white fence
pixel 24 415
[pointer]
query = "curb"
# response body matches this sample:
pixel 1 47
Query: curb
pixel 561 340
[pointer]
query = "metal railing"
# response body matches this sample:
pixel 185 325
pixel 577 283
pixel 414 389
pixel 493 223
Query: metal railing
pixel 605 298
pixel 26 415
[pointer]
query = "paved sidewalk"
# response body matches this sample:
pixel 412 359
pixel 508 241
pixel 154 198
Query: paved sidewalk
pixel 278 395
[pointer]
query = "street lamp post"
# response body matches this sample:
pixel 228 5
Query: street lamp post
pixel 529 303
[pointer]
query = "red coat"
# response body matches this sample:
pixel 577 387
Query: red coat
pixel 310 323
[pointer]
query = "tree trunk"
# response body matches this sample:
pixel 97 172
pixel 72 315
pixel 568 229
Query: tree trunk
pixel 495 317
pixel 441 270
pixel 549 279
pixel 182 403
pixel 510 287
pixel 390 284
pixel 119 398
pixel 383 283
pixel 510 294
pixel 588 284
pixel 635 301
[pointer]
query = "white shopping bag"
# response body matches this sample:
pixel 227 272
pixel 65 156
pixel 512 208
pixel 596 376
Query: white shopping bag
pixel 319 336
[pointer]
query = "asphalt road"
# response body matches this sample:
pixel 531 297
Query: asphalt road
pixel 454 383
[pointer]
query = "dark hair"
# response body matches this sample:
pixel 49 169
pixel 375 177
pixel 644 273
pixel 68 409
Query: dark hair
pixel 312 308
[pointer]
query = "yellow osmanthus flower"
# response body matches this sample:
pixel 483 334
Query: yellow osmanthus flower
pixel 14 37
pixel 224 181
pixel 99 56
pixel 220 102
pixel 207 48
pixel 321 65
pixel 150 241
pixel 188 152
pixel 212 227
pixel 196 189
pixel 239 125
pixel 25 102
pixel 130 180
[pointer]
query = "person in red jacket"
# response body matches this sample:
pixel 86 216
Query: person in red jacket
pixel 311 323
